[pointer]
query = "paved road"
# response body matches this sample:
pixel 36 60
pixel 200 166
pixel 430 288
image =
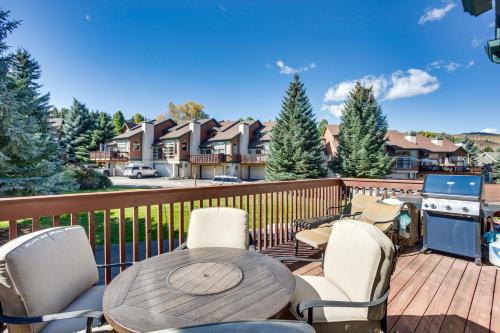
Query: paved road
pixel 161 182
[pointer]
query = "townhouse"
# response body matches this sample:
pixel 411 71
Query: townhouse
pixel 191 149
pixel 415 154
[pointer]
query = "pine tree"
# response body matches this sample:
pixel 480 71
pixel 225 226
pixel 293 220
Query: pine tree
pixel 322 126
pixel 472 150
pixel 295 149
pixel 103 132
pixel 118 121
pixel 496 171
pixel 77 129
pixel 361 151
pixel 29 161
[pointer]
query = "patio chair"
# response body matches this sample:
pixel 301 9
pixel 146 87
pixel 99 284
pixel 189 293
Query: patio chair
pixel 318 231
pixel 48 283
pixel 218 227
pixel 264 326
pixel 352 296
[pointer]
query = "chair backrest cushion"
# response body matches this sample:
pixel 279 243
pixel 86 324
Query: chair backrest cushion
pixel 381 212
pixel 218 227
pixel 43 272
pixel 360 201
pixel 359 260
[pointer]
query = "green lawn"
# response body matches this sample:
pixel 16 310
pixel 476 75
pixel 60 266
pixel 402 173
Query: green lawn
pixel 46 222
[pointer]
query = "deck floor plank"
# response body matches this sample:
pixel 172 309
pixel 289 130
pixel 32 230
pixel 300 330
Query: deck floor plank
pixel 456 317
pixel 416 308
pixel 398 282
pixel 399 303
pixel 480 310
pixel 436 311
pixel 495 309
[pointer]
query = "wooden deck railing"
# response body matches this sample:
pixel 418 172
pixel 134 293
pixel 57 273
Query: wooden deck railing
pixel 102 156
pixel 163 214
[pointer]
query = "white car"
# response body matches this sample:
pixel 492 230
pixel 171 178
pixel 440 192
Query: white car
pixel 139 171
pixel 222 180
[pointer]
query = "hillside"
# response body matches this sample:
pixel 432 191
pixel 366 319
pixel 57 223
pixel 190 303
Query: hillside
pixel 483 140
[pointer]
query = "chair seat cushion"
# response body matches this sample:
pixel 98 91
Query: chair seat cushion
pixel 89 300
pixel 315 237
pixel 320 288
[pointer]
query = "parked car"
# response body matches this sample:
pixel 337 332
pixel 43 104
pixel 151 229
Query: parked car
pixel 139 171
pixel 104 170
pixel 221 180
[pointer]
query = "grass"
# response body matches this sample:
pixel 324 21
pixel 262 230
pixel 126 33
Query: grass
pixel 46 222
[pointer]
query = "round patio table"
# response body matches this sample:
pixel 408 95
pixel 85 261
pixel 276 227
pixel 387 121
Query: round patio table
pixel 197 286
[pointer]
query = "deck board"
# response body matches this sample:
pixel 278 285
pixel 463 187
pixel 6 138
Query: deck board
pixel 436 293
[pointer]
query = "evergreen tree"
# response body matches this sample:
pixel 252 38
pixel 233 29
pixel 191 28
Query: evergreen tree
pixel 322 126
pixel 103 132
pixel 28 154
pixel 472 150
pixel 295 149
pixel 496 171
pixel 361 151
pixel 77 130
pixel 118 121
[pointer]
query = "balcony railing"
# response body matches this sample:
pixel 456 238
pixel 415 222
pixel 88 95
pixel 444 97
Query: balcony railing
pixel 157 214
pixel 106 156
pixel 406 163
pixel 213 158
pixel 254 158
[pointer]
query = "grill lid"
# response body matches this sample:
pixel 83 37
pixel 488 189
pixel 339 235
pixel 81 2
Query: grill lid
pixel 469 186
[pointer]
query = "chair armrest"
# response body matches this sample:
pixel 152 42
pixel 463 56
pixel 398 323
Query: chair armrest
pixel 118 264
pixel 349 215
pixel 183 246
pixel 89 314
pixel 309 305
pixel 299 259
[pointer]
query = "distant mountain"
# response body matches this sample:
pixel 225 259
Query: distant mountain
pixel 478 134
pixel 482 139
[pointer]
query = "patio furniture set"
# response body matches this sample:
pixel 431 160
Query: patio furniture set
pixel 215 282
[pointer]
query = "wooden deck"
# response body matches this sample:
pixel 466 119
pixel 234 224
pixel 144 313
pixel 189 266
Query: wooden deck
pixel 433 292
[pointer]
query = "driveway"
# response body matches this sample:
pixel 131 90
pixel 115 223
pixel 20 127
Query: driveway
pixel 161 182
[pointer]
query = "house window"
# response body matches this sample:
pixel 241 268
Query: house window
pixel 136 146
pixel 184 146
pixel 158 153
pixel 121 146
pixel 169 150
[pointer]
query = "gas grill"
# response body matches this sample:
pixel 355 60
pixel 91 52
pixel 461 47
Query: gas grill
pixel 451 205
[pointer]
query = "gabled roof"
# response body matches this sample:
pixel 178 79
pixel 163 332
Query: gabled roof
pixel 262 134
pixel 333 128
pixel 177 131
pixel 422 142
pixel 56 122
pixel 128 134
pixel 227 131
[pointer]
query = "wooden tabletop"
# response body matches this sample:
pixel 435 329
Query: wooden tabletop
pixel 197 286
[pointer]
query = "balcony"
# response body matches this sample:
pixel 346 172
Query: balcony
pixel 109 156
pixel 255 156
pixel 213 158
pixel 429 292
pixel 406 164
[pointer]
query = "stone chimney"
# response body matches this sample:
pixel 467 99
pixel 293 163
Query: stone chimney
pixel 244 138
pixel 194 139
pixel 148 131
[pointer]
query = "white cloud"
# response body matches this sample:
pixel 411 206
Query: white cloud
pixel 88 17
pixel 287 70
pixel 340 91
pixel 222 8
pixel 334 109
pixel 450 66
pixel 490 130
pixel 491 25
pixel 411 83
pixel 476 42
pixel 435 14
pixel 470 64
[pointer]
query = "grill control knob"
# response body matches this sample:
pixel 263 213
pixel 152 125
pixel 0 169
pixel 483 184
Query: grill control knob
pixel 426 205
pixel 448 207
pixel 465 209
pixel 433 206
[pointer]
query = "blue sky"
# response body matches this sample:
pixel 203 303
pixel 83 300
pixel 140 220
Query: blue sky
pixel 425 58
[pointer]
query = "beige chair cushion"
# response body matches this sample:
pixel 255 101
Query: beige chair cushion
pixel 314 237
pixel 381 212
pixel 43 272
pixel 360 201
pixel 358 260
pixel 218 227
pixel 89 300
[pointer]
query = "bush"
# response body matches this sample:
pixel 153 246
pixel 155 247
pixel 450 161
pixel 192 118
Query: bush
pixel 89 179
